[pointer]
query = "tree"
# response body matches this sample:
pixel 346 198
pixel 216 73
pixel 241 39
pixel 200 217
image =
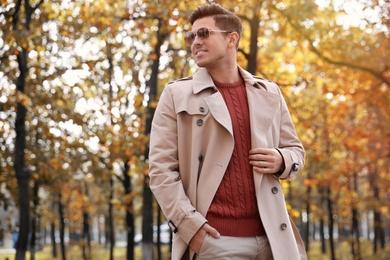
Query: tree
pixel 21 26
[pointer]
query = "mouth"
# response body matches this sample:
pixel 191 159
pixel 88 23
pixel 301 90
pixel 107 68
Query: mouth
pixel 199 52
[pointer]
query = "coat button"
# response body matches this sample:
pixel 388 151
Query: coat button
pixel 201 109
pixel 199 122
pixel 274 190
pixel 283 226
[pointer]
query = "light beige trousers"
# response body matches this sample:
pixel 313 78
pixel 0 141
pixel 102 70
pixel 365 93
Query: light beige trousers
pixel 237 248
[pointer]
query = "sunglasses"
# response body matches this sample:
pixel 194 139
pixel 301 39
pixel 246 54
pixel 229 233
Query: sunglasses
pixel 202 33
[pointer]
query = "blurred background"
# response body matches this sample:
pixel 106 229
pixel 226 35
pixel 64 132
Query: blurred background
pixel 79 82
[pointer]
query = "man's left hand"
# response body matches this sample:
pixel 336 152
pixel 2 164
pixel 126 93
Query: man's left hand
pixel 266 160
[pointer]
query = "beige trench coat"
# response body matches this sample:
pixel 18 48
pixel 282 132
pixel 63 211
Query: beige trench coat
pixel 191 145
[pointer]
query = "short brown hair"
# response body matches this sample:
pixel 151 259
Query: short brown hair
pixel 224 19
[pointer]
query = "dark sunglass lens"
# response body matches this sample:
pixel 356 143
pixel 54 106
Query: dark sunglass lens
pixel 189 38
pixel 190 35
pixel 203 32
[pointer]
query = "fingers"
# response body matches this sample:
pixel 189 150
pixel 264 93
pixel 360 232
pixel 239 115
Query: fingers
pixel 264 168
pixel 197 240
pixel 265 160
pixel 264 152
pixel 212 231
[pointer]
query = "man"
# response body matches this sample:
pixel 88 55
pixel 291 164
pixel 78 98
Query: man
pixel 220 141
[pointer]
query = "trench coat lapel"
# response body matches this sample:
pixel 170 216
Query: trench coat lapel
pixel 208 185
pixel 262 108
pixel 219 111
pixel 201 81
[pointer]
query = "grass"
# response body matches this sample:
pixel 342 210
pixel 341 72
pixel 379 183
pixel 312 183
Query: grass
pixel 343 252
pixel 75 253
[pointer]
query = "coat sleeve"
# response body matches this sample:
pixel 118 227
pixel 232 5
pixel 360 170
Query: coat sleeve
pixel 165 181
pixel 289 146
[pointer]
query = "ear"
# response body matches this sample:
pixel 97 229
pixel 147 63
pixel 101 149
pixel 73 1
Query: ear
pixel 233 39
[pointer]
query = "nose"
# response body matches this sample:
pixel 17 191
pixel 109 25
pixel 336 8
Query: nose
pixel 197 40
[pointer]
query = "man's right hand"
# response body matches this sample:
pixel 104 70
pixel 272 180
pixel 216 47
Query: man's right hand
pixel 197 240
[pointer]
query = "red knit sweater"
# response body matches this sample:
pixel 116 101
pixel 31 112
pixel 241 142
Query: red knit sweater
pixel 233 211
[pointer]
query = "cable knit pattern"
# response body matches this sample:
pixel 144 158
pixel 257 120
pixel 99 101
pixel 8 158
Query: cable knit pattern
pixel 233 211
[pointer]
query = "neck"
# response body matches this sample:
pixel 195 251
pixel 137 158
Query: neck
pixel 225 74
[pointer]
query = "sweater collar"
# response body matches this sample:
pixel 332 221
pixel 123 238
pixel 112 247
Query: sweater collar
pixel 202 80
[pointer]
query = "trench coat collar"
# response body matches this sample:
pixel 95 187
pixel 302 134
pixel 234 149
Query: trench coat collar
pixel 202 80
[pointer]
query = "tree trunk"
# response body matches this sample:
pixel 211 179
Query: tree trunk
pixel 158 242
pixel 322 222
pixel 307 228
pixel 111 229
pixel 22 175
pixel 33 238
pixel 86 229
pixel 86 237
pixel 24 219
pixel 130 225
pixel 53 240
pixel 34 221
pixel 130 235
pixel 356 254
pixel 111 196
pixel 106 230
pixel 62 226
pixel 253 48
pixel 53 236
pixel 147 222
pixel 331 223
pixel 379 234
pixel 376 231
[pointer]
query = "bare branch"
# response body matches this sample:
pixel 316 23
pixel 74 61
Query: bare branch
pixel 119 178
pixel 15 15
pixel 38 5
pixel 378 74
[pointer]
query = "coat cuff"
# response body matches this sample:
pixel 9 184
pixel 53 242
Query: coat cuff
pixel 291 166
pixel 190 225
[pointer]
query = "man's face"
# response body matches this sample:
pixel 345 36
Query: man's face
pixel 210 51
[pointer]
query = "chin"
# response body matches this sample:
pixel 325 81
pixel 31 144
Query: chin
pixel 200 63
